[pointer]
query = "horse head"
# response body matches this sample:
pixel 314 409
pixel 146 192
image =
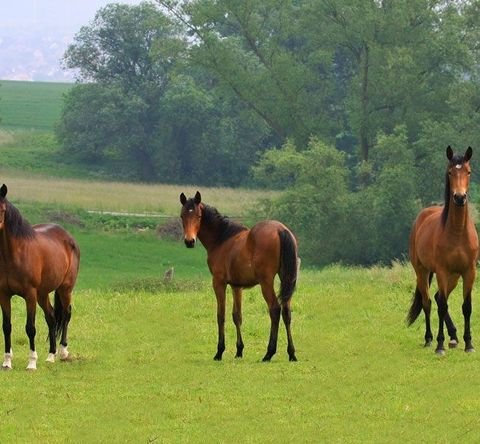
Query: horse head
pixel 459 172
pixel 191 215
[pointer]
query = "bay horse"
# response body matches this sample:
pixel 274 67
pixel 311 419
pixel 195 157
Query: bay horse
pixel 34 261
pixel 444 242
pixel 242 258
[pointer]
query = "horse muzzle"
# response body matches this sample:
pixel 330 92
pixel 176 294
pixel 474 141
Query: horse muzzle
pixel 460 199
pixel 189 243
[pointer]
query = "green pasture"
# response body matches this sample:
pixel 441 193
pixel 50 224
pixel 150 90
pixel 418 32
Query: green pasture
pixel 142 369
pixel 31 105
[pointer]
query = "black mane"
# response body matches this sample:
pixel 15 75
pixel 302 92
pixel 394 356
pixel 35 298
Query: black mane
pixel 224 227
pixel 457 159
pixel 15 223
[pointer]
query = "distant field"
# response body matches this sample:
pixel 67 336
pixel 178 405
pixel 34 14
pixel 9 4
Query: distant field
pixel 118 196
pixel 30 105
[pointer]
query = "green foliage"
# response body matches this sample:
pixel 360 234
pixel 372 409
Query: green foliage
pixel 334 224
pixel 124 51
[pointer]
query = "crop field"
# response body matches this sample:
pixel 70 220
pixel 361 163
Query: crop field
pixel 31 105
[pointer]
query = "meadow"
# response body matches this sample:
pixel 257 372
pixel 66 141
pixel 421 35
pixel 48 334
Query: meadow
pixel 142 367
pixel 31 105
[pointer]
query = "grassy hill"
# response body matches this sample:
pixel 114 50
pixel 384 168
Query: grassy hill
pixel 30 105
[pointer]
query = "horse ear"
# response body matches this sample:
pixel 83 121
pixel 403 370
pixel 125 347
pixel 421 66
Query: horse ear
pixel 198 198
pixel 183 199
pixel 449 152
pixel 3 191
pixel 468 154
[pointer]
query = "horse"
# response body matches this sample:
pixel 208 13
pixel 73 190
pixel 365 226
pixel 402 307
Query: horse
pixel 34 261
pixel 242 258
pixel 444 242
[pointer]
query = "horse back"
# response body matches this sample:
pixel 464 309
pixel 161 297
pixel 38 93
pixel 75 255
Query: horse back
pixel 250 256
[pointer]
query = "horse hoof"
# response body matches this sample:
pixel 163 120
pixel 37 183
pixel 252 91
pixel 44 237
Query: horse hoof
pixel 50 358
pixel 453 343
pixel 292 358
pixel 469 350
pixel 440 352
pixel 6 367
pixel 427 344
pixel 217 358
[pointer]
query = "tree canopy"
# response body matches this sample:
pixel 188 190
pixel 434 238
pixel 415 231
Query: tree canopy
pixel 346 105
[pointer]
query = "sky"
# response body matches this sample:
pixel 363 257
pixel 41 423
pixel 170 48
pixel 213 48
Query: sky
pixel 34 35
pixel 68 14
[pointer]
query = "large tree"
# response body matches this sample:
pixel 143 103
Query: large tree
pixel 126 56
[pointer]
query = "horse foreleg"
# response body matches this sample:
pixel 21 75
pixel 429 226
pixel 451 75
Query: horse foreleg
pixel 442 310
pixel 467 309
pixel 274 310
pixel 31 331
pixel 452 330
pixel 446 283
pixel 237 318
pixel 7 332
pixel 287 318
pixel 219 288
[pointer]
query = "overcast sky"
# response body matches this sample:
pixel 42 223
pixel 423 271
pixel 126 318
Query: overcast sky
pixel 66 14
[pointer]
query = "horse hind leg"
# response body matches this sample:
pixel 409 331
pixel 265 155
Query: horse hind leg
pixel 468 281
pixel 237 318
pixel 421 301
pixel 63 314
pixel 287 318
pixel 31 302
pixel 46 306
pixel 274 311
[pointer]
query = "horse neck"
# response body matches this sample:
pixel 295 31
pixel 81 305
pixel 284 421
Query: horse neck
pixel 207 236
pixel 7 246
pixel 458 218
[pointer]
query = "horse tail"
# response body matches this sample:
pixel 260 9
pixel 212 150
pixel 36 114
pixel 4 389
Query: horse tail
pixel 288 265
pixel 416 307
pixel 59 318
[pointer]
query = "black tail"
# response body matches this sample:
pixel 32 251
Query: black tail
pixel 59 318
pixel 288 265
pixel 416 307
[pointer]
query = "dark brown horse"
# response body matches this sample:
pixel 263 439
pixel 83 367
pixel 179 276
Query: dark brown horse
pixel 243 258
pixel 34 261
pixel 444 242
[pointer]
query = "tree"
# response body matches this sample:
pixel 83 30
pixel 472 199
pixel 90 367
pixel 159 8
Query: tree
pixel 129 53
pixel 257 49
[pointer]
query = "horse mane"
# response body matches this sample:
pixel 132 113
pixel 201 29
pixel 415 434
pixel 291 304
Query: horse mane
pixel 457 159
pixel 224 227
pixel 16 224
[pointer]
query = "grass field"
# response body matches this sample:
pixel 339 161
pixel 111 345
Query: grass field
pixel 31 105
pixel 143 370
